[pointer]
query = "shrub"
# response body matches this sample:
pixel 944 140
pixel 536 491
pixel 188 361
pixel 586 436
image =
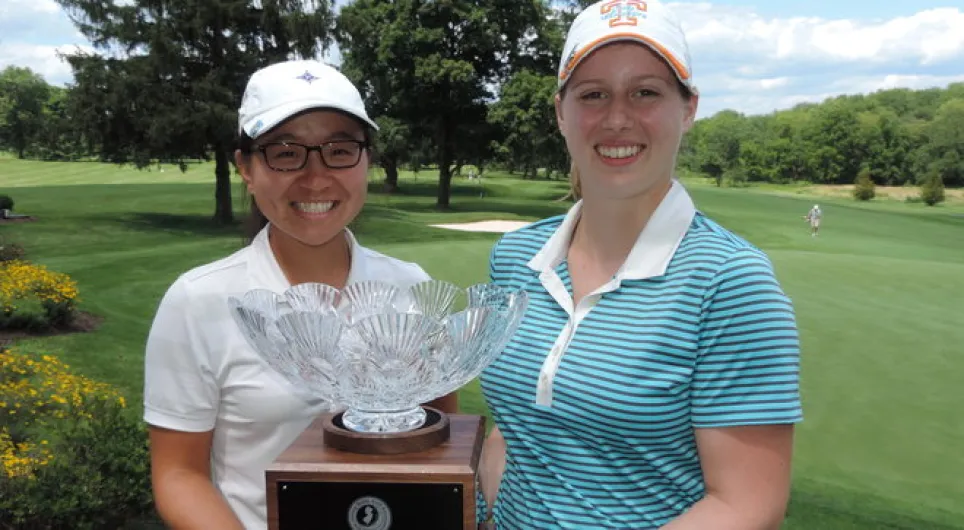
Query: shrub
pixel 6 202
pixel 32 296
pixel 864 187
pixel 736 178
pixel 10 251
pixel 72 457
pixel 932 189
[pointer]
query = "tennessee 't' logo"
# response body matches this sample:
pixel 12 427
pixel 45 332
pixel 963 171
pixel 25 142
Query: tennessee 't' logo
pixel 623 12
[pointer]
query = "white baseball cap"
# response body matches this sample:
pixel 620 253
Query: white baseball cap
pixel 648 22
pixel 281 90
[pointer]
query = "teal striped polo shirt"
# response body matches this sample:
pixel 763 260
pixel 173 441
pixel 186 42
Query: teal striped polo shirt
pixel 598 402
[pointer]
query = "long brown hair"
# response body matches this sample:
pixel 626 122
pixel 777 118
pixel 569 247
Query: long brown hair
pixel 575 187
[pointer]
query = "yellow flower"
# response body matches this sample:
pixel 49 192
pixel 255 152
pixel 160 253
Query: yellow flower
pixel 34 389
pixel 20 280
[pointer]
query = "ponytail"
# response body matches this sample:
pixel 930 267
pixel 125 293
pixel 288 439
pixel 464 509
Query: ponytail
pixel 575 186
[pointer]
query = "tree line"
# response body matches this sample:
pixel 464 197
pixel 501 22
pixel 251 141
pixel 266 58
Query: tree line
pixel 895 137
pixel 453 83
pixel 166 79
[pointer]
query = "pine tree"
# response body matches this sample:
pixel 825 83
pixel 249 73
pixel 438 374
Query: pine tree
pixel 168 78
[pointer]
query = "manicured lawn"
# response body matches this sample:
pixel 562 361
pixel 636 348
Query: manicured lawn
pixel 879 297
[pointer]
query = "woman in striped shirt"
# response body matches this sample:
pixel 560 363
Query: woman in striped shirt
pixel 654 382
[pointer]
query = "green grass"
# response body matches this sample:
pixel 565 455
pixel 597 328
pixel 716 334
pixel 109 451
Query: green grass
pixel 878 297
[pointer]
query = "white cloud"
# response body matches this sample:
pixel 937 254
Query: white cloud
pixel 761 103
pixel 33 21
pixel 755 64
pixel 929 36
pixel 725 82
pixel 42 59
pixel 774 82
pixel 742 60
pixel 17 7
pixel 31 34
pixel 766 101
pixel 866 84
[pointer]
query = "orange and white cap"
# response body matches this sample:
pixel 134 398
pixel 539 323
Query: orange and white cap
pixel 648 22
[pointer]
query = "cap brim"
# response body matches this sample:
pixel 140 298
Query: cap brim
pixel 270 119
pixel 675 64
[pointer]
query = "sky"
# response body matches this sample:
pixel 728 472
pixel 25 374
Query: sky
pixel 752 56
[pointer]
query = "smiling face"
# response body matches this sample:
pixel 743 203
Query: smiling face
pixel 311 205
pixel 623 117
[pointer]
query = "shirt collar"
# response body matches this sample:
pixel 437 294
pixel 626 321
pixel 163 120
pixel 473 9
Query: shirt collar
pixel 275 277
pixel 653 249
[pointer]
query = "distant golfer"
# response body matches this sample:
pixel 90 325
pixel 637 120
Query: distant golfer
pixel 814 216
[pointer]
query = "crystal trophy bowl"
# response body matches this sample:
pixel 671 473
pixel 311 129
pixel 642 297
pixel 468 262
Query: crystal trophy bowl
pixel 377 351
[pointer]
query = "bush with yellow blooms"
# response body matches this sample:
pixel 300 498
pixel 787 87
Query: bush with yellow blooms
pixel 32 297
pixel 71 455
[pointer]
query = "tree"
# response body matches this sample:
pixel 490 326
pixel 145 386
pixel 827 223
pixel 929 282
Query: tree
pixel 435 64
pixel 169 82
pixel 832 134
pixel 24 97
pixel 900 135
pixel 864 188
pixel 390 146
pixel 477 143
pixel 716 143
pixel 932 188
pixel 943 148
pixel 526 116
pixel 887 144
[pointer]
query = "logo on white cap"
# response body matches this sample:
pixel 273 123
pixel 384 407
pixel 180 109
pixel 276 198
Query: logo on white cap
pixel 308 77
pixel 623 12
pixel 647 22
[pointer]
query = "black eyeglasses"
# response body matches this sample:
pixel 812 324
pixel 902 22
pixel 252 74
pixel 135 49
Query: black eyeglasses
pixel 290 156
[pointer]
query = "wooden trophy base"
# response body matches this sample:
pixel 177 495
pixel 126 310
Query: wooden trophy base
pixel 317 486
pixel 435 431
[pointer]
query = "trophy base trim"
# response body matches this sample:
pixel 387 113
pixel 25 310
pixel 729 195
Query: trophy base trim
pixel 435 431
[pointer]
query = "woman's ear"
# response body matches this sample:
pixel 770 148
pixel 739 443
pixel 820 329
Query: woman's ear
pixel 692 104
pixel 243 161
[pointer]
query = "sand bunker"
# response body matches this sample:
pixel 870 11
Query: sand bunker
pixel 486 226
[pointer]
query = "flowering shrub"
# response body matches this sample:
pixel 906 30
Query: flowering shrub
pixel 27 289
pixel 20 459
pixel 71 454
pixel 37 388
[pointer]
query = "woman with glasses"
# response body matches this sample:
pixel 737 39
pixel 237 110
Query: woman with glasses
pixel 217 415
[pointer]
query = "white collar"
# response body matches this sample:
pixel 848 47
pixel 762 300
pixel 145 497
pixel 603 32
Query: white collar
pixel 653 249
pixel 275 275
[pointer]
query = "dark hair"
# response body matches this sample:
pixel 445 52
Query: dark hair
pixel 255 220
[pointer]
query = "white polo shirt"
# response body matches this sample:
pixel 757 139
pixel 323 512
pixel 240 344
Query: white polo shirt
pixel 200 373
